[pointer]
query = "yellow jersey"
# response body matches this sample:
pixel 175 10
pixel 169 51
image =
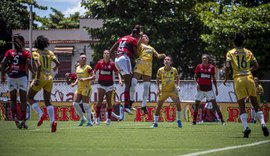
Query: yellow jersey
pixel 46 58
pixel 241 60
pixel 259 91
pixel 83 72
pixel 167 78
pixel 146 53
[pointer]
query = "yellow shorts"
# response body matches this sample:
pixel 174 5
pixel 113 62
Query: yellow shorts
pixel 244 87
pixel 143 68
pixel 165 95
pixel 84 91
pixel 45 84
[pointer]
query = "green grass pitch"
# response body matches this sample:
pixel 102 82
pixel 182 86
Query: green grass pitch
pixel 129 138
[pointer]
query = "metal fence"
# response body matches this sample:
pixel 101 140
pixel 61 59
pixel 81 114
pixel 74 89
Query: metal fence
pixel 63 92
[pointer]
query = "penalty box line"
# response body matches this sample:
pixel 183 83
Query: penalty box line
pixel 227 148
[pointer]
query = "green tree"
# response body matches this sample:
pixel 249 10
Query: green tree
pixel 251 18
pixel 14 15
pixel 172 26
pixel 57 20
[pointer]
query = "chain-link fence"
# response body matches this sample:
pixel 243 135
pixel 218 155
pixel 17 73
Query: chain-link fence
pixel 63 92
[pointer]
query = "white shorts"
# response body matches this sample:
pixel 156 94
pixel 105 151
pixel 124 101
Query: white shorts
pixel 18 83
pixel 106 88
pixel 123 64
pixel 200 95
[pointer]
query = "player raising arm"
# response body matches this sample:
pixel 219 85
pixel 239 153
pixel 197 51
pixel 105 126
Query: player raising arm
pixel 143 69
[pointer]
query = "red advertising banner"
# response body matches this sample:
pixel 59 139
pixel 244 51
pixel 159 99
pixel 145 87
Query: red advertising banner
pixel 64 111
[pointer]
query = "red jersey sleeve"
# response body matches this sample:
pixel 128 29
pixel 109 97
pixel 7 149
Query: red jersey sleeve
pixel 197 69
pixel 134 42
pixel 7 54
pixel 213 70
pixel 97 67
pixel 28 54
pixel 73 76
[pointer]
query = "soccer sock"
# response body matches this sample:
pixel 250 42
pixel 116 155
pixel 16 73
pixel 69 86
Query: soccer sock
pixel 156 118
pixel 261 117
pixel 252 113
pixel 37 109
pixel 126 97
pixel 87 111
pixel 243 118
pixel 50 111
pixel 178 115
pixel 146 86
pixel 23 115
pixel 133 88
pixel 78 110
pixel 109 110
pixel 98 111
pixel 220 116
pixel 115 115
pixel 195 116
pixel 204 113
pixel 14 112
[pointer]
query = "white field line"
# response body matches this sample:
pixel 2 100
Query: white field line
pixel 226 148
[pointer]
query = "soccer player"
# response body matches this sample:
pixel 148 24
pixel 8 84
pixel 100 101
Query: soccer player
pixel 105 68
pixel 17 61
pixel 243 62
pixel 169 88
pixel 126 50
pixel 43 59
pixel 259 91
pixel 84 90
pixel 143 69
pixel 204 74
pixel 209 106
pixel 71 77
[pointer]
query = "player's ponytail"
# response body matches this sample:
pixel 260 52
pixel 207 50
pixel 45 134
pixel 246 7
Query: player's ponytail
pixel 41 42
pixel 136 31
pixel 18 42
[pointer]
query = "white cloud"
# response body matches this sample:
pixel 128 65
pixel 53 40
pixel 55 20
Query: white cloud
pixel 75 8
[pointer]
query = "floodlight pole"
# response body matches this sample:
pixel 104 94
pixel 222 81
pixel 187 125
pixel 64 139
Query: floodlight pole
pixel 30 36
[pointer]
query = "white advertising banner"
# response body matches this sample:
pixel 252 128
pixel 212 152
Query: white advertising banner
pixel 63 92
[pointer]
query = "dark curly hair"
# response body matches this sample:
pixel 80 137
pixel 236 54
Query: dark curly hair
pixel 18 42
pixel 136 30
pixel 41 42
pixel 239 39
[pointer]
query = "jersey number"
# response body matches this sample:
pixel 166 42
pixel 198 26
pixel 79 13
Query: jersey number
pixel 16 60
pixel 242 63
pixel 122 45
pixel 45 61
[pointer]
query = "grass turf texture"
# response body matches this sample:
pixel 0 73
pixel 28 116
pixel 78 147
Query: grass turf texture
pixel 128 138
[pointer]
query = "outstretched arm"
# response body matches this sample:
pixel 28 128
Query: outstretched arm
pixel 112 53
pixel 159 56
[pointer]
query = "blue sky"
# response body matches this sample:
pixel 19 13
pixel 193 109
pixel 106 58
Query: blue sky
pixel 65 6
